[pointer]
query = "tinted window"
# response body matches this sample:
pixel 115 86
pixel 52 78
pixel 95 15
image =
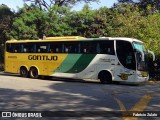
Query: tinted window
pixel 125 54
pixel 106 47
pixel 28 47
pixel 13 48
pixel 55 47
pixel 71 47
pixel 42 47
pixel 88 47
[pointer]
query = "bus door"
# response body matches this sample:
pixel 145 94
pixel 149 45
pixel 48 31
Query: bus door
pixel 126 64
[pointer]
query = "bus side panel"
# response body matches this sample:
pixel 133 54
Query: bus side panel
pixel 106 62
pixel 12 62
pixel 68 67
pixel 53 65
pixel 85 66
pixel 45 63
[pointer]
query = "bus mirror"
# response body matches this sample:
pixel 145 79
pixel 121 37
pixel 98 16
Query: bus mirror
pixel 151 52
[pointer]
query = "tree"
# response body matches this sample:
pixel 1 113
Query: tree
pixel 58 20
pixel 143 4
pixel 125 1
pixel 31 23
pixel 131 23
pixel 152 33
pixel 6 17
pixel 84 22
pixel 50 3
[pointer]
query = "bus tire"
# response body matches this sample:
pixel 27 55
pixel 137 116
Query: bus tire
pixel 105 77
pixel 23 72
pixel 33 73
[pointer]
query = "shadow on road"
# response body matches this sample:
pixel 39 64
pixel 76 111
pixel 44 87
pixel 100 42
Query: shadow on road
pixel 68 95
pixel 75 80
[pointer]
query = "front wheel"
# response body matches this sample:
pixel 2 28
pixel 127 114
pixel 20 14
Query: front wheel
pixel 105 77
pixel 33 73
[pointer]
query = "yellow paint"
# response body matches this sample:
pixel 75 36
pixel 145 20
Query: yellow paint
pixel 48 39
pixel 13 61
pixel 124 76
pixel 142 103
pixel 45 67
pixel 144 74
pixel 139 106
pixel 64 38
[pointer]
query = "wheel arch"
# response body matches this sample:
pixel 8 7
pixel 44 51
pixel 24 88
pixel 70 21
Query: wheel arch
pixel 22 67
pixel 107 71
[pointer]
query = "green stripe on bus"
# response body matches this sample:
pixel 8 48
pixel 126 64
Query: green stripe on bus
pixel 82 63
pixel 68 63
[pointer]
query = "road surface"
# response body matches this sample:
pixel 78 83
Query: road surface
pixel 24 94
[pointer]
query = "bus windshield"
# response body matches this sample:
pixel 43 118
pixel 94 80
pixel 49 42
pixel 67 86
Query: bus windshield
pixel 139 46
pixel 140 56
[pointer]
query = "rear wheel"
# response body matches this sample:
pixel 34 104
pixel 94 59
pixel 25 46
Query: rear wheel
pixel 33 73
pixel 23 72
pixel 105 77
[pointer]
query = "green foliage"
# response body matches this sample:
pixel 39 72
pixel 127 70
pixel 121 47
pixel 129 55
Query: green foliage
pixel 58 18
pixel 46 5
pixel 129 22
pixel 143 4
pixel 152 32
pixel 92 23
pixel 132 23
pixel 6 16
pixel 30 24
pixel 83 22
pixel 123 20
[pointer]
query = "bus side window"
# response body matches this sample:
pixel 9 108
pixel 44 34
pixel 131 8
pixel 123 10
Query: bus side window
pixel 38 50
pixel 9 47
pixel 55 47
pixel 84 47
pixel 41 47
pixel 107 47
pixel 25 50
pixel 51 50
pixel 71 47
pixel 17 48
pixel 57 50
pixel 85 50
pixel 89 47
pixel 66 49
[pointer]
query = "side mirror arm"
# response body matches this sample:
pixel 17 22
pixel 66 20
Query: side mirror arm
pixel 151 52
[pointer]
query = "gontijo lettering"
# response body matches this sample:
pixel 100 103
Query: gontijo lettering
pixel 42 57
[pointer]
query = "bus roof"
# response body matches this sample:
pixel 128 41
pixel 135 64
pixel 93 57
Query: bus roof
pixel 74 38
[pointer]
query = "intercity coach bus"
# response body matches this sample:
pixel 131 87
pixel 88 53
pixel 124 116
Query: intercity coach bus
pixel 106 59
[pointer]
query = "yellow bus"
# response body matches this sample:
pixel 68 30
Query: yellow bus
pixel 106 59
